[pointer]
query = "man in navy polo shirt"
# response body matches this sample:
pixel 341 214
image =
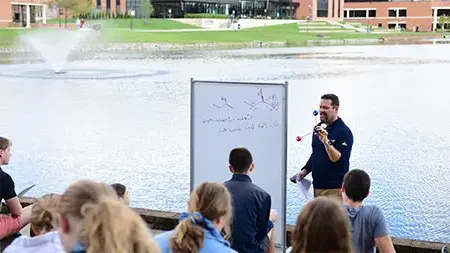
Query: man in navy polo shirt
pixel 331 149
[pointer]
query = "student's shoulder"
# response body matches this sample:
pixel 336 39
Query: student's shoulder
pixel 371 208
pixel 260 191
pixel 48 243
pixel 6 179
pixel 4 175
pixel 165 236
pixel 215 246
pixel 373 212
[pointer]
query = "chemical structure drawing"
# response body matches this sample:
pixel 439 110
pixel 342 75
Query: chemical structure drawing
pixel 224 104
pixel 270 102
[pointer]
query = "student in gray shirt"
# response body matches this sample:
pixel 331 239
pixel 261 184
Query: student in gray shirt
pixel 368 225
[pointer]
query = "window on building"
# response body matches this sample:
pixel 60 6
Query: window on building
pixel 345 14
pixel 394 25
pixel 442 12
pixel 372 13
pixel 108 5
pixel 402 13
pixel 322 8
pixel 392 13
pixel 380 25
pixel 357 13
pixel 135 5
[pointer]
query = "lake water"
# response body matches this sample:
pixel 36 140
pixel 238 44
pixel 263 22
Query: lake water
pixel 135 130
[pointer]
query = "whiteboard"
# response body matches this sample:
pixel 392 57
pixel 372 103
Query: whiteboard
pixel 227 115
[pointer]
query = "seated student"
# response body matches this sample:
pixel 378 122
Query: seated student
pixel 368 225
pixel 322 226
pixel 92 219
pixel 199 230
pixel 44 215
pixel 122 193
pixel 44 219
pixel 20 217
pixel 252 227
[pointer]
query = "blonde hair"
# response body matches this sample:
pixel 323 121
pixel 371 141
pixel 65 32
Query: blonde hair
pixel 322 226
pixel 108 225
pixel 44 217
pixel 212 201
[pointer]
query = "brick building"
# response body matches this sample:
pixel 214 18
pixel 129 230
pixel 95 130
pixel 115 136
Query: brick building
pixel 177 8
pixel 23 12
pixel 421 15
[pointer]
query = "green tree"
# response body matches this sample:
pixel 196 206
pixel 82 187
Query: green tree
pixel 442 21
pixel 146 9
pixel 83 8
pixel 73 5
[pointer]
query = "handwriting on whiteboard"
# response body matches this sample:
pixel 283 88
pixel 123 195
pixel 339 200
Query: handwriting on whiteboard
pixel 239 124
pixel 228 119
pixel 250 127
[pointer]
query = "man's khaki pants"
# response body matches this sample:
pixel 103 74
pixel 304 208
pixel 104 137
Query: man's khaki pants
pixel 336 193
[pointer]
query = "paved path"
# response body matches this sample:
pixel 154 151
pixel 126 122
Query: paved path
pixel 173 30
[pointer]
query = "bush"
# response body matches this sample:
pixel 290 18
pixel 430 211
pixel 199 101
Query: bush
pixel 205 15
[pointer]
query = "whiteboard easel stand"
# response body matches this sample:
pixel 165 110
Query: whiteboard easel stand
pixel 284 158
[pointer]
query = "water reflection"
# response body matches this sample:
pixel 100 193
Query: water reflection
pixel 136 130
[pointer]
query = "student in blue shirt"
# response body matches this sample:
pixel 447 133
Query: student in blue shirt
pixel 199 230
pixel 252 228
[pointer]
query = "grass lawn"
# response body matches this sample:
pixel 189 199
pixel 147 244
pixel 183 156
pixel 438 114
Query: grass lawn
pixel 280 33
pixel 286 33
pixel 7 36
pixel 151 24
pixel 63 21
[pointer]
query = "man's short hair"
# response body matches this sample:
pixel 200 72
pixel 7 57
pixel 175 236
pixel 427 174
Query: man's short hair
pixel 357 185
pixel 4 143
pixel 120 189
pixel 334 99
pixel 240 159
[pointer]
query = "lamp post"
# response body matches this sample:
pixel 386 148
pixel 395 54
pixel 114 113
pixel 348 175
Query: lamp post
pixel 131 13
pixel 59 16
pixel 309 18
pixel 170 13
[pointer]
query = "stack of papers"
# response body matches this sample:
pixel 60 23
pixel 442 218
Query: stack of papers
pixel 304 185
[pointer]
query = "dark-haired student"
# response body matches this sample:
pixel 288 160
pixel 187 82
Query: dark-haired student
pixel 368 225
pixel 252 229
